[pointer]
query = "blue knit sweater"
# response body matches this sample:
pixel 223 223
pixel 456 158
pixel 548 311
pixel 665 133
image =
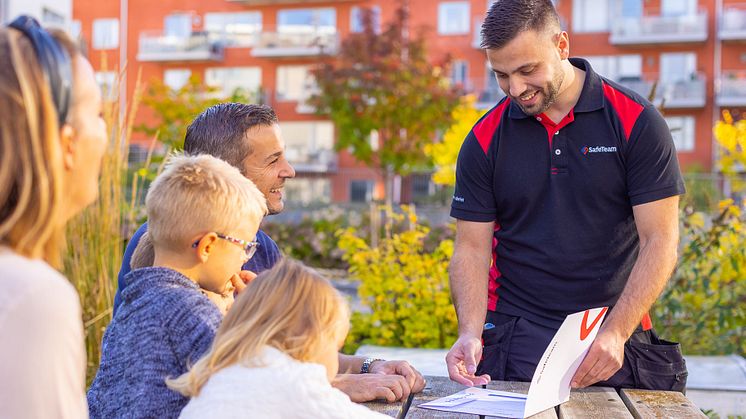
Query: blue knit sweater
pixel 163 326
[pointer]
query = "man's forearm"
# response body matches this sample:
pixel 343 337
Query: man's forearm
pixel 469 273
pixel 655 263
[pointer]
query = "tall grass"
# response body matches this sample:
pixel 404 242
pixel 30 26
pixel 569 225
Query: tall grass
pixel 96 238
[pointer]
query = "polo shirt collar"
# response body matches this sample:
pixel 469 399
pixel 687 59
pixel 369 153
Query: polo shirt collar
pixel 591 98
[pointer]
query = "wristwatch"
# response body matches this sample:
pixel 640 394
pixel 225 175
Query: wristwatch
pixel 366 364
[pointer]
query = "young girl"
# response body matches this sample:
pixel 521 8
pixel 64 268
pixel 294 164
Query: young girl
pixel 275 353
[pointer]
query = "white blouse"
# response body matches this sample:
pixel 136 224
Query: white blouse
pixel 282 388
pixel 42 353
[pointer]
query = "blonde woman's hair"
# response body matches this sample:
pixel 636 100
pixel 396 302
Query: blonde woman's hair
pixel 199 194
pixel 289 307
pixel 31 193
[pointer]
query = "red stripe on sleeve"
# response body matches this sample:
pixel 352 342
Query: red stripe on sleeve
pixel 627 109
pixel 485 129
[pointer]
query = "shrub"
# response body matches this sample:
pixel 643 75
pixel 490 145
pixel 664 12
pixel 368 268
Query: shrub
pixel 704 304
pixel 404 286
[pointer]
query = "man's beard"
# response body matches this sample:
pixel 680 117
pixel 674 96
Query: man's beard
pixel 548 96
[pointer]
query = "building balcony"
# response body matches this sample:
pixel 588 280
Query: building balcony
pixel 731 89
pixel 311 161
pixel 304 43
pixel 659 29
pixel 680 94
pixel 733 23
pixel 199 46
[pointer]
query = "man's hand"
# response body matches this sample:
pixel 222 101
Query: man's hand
pixel 368 387
pixel 414 379
pixel 462 361
pixel 604 358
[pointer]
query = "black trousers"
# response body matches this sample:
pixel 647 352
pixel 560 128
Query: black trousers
pixel 513 348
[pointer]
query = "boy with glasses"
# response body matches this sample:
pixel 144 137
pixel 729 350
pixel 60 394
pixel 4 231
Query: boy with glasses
pixel 203 219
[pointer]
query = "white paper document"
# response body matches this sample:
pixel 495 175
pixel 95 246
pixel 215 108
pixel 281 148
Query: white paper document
pixel 550 385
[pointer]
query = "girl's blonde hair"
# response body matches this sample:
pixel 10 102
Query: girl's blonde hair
pixel 31 195
pixel 289 307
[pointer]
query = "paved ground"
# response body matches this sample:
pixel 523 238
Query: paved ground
pixel 715 382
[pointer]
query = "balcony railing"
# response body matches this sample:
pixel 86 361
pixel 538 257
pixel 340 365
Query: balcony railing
pixel 199 46
pixel 685 93
pixel 311 161
pixel 300 43
pixel 733 23
pixel 659 29
pixel 732 89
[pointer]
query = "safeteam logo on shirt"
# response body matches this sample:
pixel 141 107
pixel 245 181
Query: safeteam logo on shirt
pixel 598 149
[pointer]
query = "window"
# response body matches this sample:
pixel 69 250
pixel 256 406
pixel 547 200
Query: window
pixel 630 8
pixel 678 66
pixel 361 190
pixel 422 186
pixel 617 67
pixel 307 20
pixel 230 80
pixel 590 15
pixel 453 18
pixel 107 83
pixel 176 78
pixel 678 7
pixel 178 25
pixel 294 82
pixel 682 131
pixel 138 154
pixel 105 33
pixel 305 191
pixel 356 19
pixel 459 72
pixel 309 142
pixel 238 29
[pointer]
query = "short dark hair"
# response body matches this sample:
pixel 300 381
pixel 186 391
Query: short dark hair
pixel 508 18
pixel 220 130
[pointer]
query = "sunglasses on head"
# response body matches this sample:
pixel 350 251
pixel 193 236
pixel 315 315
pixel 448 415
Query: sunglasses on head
pixel 54 60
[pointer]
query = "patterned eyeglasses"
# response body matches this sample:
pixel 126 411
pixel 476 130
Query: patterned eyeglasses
pixel 248 247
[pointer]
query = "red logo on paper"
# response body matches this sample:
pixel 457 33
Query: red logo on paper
pixel 584 329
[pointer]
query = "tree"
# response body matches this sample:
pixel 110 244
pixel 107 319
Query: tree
pixel 384 83
pixel 445 152
pixel 175 109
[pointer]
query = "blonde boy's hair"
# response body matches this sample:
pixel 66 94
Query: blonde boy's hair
pixel 289 307
pixel 196 195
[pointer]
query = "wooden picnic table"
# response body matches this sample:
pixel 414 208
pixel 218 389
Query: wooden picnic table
pixel 587 403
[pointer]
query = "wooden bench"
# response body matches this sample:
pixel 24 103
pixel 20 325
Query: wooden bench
pixel 587 403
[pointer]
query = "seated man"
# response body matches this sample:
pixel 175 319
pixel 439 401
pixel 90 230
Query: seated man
pixel 248 137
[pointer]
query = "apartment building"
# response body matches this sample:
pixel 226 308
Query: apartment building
pixel 691 50
pixel 56 13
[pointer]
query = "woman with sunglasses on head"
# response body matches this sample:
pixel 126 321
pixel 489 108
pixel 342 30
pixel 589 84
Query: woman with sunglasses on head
pixel 52 140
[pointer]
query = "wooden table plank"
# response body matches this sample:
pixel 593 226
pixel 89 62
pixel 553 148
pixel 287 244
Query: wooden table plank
pixel 436 388
pixel 594 403
pixel 644 404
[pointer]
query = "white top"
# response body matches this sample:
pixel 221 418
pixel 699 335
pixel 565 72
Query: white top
pixel 283 388
pixel 42 354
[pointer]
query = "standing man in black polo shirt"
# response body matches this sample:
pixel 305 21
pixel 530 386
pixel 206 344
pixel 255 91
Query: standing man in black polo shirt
pixel 566 199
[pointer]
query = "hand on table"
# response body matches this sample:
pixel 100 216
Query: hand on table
pixel 462 361
pixel 367 387
pixel 604 358
pixel 414 379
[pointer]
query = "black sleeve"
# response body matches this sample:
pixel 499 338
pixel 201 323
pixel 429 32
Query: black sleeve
pixel 473 198
pixel 652 165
